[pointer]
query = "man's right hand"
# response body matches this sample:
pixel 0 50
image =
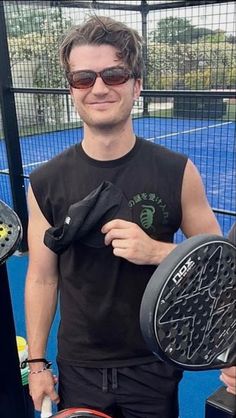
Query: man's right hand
pixel 41 385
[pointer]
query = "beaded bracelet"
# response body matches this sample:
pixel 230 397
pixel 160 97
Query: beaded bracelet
pixel 46 367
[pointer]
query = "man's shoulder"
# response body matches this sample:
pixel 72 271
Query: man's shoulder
pixel 57 162
pixel 160 149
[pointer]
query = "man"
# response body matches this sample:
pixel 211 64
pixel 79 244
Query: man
pixel 102 359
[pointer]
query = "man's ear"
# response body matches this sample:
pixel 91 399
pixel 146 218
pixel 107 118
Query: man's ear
pixel 71 91
pixel 137 88
pixel 72 94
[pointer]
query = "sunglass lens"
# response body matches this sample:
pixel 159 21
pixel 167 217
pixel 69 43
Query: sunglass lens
pixel 82 79
pixel 115 76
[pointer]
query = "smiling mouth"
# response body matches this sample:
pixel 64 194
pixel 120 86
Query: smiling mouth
pixel 100 105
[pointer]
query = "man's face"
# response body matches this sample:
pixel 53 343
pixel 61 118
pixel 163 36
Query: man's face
pixel 102 106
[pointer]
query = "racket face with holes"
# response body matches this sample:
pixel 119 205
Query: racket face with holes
pixel 80 413
pixel 10 231
pixel 187 314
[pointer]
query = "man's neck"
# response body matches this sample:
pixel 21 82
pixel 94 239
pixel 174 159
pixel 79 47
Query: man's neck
pixel 107 146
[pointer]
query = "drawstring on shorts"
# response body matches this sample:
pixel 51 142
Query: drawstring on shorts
pixel 104 380
pixel 114 379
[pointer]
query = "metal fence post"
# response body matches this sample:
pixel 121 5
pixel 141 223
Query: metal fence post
pixel 11 133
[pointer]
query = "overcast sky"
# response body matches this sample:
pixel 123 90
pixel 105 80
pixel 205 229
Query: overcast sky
pixel 213 16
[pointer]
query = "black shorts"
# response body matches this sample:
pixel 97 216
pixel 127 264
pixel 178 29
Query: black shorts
pixel 144 391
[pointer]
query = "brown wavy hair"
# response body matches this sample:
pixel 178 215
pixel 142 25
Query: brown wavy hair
pixel 100 30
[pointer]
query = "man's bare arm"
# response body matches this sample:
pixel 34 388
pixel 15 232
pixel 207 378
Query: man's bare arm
pixel 40 300
pixel 197 215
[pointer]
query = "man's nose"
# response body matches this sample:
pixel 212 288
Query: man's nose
pixel 99 86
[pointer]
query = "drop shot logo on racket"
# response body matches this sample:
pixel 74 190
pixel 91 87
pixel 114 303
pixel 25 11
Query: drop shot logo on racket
pixel 183 271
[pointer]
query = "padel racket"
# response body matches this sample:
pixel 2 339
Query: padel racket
pixel 80 413
pixel 10 231
pixel 187 314
pixel 46 412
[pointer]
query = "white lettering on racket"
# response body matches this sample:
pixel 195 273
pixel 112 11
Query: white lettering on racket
pixel 183 271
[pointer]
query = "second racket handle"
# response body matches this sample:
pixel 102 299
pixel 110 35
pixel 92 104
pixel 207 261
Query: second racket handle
pixel 46 410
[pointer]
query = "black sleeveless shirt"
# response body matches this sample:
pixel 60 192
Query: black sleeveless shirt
pixel 100 294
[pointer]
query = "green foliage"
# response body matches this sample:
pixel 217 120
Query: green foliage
pixel 184 56
pixel 34 36
pixel 173 30
pixel 193 66
pixel 22 19
pixel 38 43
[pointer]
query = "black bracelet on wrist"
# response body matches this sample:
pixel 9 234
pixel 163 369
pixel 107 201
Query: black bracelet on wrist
pixel 36 360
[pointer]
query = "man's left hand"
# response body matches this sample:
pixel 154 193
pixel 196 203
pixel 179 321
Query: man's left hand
pixel 129 241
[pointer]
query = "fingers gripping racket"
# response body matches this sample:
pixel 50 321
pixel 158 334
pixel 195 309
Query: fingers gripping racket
pixel 187 313
pixel 70 412
pixel 10 231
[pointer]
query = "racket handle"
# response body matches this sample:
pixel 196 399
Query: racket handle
pixel 220 404
pixel 46 410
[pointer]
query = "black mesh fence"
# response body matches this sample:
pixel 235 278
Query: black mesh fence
pixel 188 99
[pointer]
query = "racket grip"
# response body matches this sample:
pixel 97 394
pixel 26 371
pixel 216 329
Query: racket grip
pixel 46 410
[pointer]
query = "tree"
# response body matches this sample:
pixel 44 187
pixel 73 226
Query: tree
pixel 192 66
pixel 173 30
pixel 22 19
pixel 36 39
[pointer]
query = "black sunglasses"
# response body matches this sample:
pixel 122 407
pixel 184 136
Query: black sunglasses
pixel 112 76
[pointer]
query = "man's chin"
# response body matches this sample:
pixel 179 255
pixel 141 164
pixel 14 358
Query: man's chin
pixel 105 125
